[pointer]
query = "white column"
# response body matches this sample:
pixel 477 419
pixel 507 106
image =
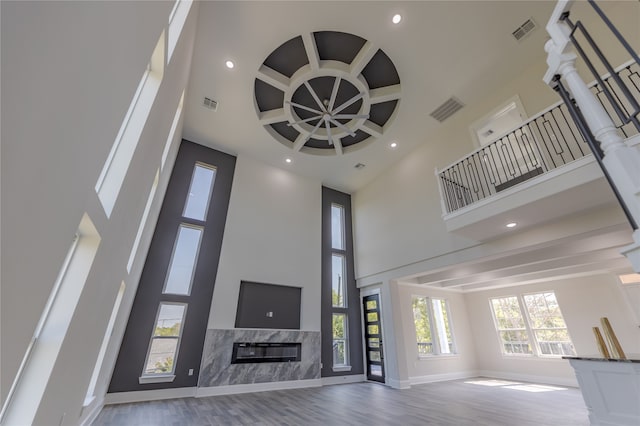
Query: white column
pixel 621 161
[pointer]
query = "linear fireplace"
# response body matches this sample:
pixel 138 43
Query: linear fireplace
pixel 254 352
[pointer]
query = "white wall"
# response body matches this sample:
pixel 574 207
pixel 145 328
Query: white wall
pixel 70 70
pixel 272 235
pixel 397 217
pixel 583 301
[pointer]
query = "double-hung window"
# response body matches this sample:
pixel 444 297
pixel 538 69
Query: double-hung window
pixel 531 324
pixel 434 335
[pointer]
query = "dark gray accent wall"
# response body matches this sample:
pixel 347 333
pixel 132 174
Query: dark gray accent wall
pixel 133 350
pixel 331 196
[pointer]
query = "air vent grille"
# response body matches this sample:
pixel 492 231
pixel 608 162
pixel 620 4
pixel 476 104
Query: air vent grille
pixel 524 29
pixel 210 103
pixel 447 109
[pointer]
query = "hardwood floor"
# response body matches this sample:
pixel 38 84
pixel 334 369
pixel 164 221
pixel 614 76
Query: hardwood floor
pixel 478 402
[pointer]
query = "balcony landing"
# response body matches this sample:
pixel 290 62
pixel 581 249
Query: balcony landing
pixel 572 188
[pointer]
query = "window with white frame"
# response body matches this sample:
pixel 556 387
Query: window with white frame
pixel 540 331
pixel 163 348
pixel 340 347
pixel 338 293
pixel 434 335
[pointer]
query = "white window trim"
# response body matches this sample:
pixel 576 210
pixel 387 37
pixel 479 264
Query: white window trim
pixel 535 354
pixel 195 260
pixel 213 182
pixel 162 377
pixel 437 350
pixel 347 365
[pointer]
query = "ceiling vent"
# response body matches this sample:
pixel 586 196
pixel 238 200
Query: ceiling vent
pixel 210 103
pixel 447 109
pixel 524 29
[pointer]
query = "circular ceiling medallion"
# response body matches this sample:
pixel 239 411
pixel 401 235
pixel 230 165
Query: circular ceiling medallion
pixel 326 93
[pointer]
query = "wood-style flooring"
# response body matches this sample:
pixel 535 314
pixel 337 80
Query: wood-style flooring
pixel 486 402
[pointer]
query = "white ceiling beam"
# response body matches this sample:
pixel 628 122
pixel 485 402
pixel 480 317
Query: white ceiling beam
pixel 384 94
pixel 312 50
pixel 299 143
pixel 338 146
pixel 372 128
pixel 272 116
pixel 274 78
pixel 362 58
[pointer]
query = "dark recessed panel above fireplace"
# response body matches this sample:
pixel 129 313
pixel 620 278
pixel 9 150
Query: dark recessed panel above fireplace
pixel 268 306
pixel 251 352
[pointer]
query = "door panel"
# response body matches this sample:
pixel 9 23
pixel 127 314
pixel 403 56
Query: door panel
pixel 373 338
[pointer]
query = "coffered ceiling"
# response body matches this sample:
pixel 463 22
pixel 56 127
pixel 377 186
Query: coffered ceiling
pixel 330 85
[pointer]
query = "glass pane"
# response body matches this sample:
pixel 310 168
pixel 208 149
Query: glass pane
pixel 443 329
pixel 199 192
pixel 371 305
pixel 337 227
pixel 339 352
pixel 339 326
pixel 373 329
pixel 507 313
pixel 376 370
pixel 169 320
pixel 548 324
pixel 337 281
pixel 183 261
pixel 161 356
pixel 421 321
pixel 374 342
pixel 374 356
pixel 372 316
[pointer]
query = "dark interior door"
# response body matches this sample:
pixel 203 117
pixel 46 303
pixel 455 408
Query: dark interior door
pixel 373 338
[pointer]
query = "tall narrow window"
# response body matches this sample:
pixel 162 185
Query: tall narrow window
pixel 337 280
pixel 341 324
pixel 511 326
pixel 176 284
pixel 433 327
pixel 103 348
pixel 547 324
pixel 30 383
pixel 124 146
pixel 337 227
pixel 183 260
pixel 199 192
pixel 338 296
pixel 163 349
pixel 340 349
pixel 177 19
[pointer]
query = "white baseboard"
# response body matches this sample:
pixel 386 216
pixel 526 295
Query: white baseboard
pixel 256 387
pixel 432 378
pixel 150 395
pixel 91 411
pixel 398 384
pixel 339 380
pixel 549 380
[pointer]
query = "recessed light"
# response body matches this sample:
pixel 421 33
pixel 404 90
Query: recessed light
pixel 396 18
pixel 511 225
pixel 288 160
pixel 393 144
pixel 230 64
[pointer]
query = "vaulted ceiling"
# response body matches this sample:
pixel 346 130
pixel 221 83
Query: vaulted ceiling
pixel 349 79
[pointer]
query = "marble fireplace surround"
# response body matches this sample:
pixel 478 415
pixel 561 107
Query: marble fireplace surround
pixel 217 370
